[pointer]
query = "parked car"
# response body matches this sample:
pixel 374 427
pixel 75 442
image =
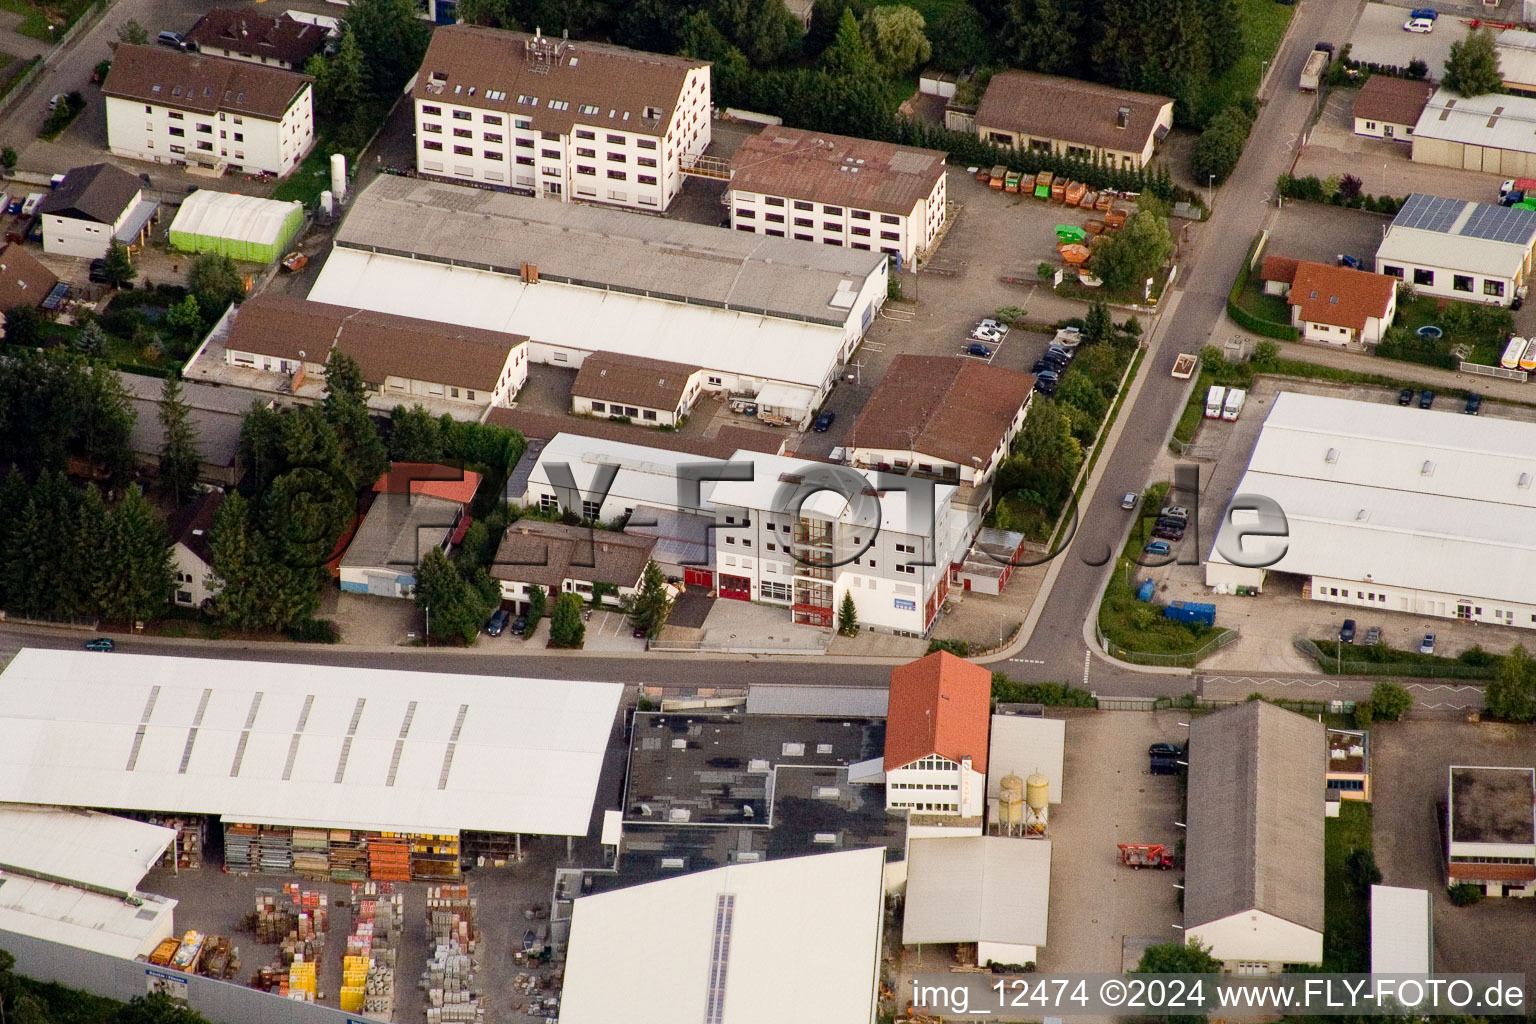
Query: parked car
pixel 1046 382
pixel 638 633
pixel 1373 636
pixel 101 643
pixel 1422 26
pixel 54 101
pixel 1129 501
pixel 1427 646
pixel 824 422
pixel 986 334
pixel 1179 522
pixel 1164 758
pixel 1325 47
pixel 1426 398
pixel 1474 404
pixel 988 324
pixel 171 39
pixel 497 622
pixel 976 349
pixel 1169 533
pixel 1347 632
pixel 1427 13
pixel 1055 366
pixel 520 625
pixel 1405 396
pixel 1156 547
pixel 1174 512
pixel 1352 262
pixel 98 272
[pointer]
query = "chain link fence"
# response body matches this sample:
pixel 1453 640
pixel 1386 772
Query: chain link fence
pixel 1186 659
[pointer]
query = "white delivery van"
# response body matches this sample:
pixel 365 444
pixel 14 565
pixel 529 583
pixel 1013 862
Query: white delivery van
pixel 1214 400
pixel 1234 404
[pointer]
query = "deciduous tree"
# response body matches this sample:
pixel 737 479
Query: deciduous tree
pixel 566 628
pixel 1390 702
pixel 392 41
pixel 216 282
pixel 456 604
pixel 1472 69
pixel 896 38
pixel 764 30
pixel 1511 695
pixel 132 32
pixel 346 410
pixel 1136 252
pixel 23 325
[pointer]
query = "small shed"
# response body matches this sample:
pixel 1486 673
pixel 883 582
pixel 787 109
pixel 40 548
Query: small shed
pixel 241 227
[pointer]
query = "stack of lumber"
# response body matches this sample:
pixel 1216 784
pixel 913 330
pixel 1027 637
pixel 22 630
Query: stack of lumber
pixel 389 858
pixel 311 852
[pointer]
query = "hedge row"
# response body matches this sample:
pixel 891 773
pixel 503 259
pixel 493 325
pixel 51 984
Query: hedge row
pixel 1315 190
pixel 1245 319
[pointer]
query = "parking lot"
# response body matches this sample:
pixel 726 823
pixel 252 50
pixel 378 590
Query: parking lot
pixel 1409 777
pixel 1313 231
pixel 1269 621
pixel 1379 38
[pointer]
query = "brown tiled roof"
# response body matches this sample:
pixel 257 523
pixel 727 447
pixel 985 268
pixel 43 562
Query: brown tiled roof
pixel 835 169
pixel 489 69
pixel 726 443
pixel 275 36
pixel 635 380
pixel 1081 113
pixel 190 524
pixel 1393 100
pixel 98 192
pixel 207 85
pixel 23 280
pixel 1278 268
pixel 941 705
pixel 550 553
pixel 948 407
pixel 1340 296
pixel 383 344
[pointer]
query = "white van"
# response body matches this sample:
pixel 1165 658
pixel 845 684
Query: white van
pixel 1234 404
pixel 1214 399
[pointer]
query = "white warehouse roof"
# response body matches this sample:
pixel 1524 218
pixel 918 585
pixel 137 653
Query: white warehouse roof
pixel 226 215
pixel 1434 501
pixel 1021 745
pixel 1455 234
pixel 80 847
pixel 992 889
pixel 1402 940
pixel 645 476
pixel 83 919
pixel 583 319
pixel 742 944
pixel 1495 119
pixel 269 743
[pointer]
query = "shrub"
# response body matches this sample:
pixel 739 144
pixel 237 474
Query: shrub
pixel 1390 702
pixel 1363 713
pixel 1477 657
pixel 959 648
pixel 1464 895
pixel 315 631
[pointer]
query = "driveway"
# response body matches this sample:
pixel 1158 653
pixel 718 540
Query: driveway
pixel 1313 231
pixel 1379 39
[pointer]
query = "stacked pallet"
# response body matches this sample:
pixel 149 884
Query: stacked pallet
pixel 314 912
pixel 276 918
pixel 301 981
pixel 434 857
pixel 454 939
pixel 240 847
pixel 374 941
pixel 220 958
pixel 354 982
pixel 348 855
pixel 389 858
pixel 312 852
pixel 274 850
pixel 187 850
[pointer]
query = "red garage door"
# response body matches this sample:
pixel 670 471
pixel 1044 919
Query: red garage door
pixel 698 578
pixel 737 588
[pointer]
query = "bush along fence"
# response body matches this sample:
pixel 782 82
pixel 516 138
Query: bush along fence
pixel 1313 189
pixel 1180 659
pixel 1247 320
pixel 1429 668
pixel 1348 71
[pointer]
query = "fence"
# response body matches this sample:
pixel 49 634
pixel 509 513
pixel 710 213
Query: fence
pixel 1189 702
pixel 701 647
pixel 1493 371
pixel 1187 659
pixel 1442 669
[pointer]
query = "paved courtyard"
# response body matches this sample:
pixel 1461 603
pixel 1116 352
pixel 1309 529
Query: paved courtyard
pixel 1378 38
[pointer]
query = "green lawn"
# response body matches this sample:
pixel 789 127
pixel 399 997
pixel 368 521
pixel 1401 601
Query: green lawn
pixel 1486 347
pixel 48 22
pixel 1346 912
pixel 1264 24
pixel 1269 307
pixel 308 180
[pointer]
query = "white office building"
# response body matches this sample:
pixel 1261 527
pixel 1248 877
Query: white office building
pixel 1454 249
pixel 559 119
pixel 168 106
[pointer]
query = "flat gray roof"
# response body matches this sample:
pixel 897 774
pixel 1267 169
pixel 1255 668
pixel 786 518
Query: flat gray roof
pixel 609 249
pixel 1492 805
pixel 398 530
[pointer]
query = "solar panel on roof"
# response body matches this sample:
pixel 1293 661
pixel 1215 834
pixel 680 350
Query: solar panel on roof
pixel 1429 213
pixel 1501 224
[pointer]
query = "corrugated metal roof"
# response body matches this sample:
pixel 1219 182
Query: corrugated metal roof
pixel 1402 933
pixel 1517 56
pixel 978 889
pixel 1496 120
pixel 316 745
pixel 1255 820
pixel 82 919
pixel 743 932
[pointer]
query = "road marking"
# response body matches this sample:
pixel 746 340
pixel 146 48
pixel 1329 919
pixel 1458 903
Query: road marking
pixel 1087 661
pixel 1029 661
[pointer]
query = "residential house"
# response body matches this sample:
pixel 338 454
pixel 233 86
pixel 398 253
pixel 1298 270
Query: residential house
pixel 558 118
pixel 190 528
pixel 1253 868
pixel 416 507
pixel 801 11
pixel 170 106
pixel 1490 829
pixel 276 40
pixel 93 207
pixel 23 281
pixel 1334 305
pixel 1072 118
pixel 1388 108
pixel 1454 249
pixel 565 559
pixel 936 738
pixel 402 359
pixel 836 190
pixel 651 392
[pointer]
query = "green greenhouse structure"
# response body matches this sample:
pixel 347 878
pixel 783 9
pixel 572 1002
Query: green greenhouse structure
pixel 241 227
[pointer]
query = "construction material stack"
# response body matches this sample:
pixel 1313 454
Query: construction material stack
pixel 368 967
pixel 348 855
pixel 389 858
pixel 220 958
pixel 187 850
pixel 301 983
pixel 311 853
pixel 454 939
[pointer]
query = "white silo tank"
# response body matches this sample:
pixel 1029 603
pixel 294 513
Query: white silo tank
pixel 339 175
pixel 1037 803
pixel 327 202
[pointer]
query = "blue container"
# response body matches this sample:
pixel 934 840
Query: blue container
pixel 1191 611
pixel 1144 592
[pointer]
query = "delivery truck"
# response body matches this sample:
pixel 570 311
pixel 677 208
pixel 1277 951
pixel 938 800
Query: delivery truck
pixel 1312 73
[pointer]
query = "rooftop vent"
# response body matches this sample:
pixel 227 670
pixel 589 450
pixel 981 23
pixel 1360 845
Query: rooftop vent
pixel 824 748
pixel 679 744
pixel 1362 515
pixel 1332 456
pixel 793 750
pixel 1428 469
pixel 1123 117
pixel 676 863
pixel 757 765
pixel 825 838
pixel 1524 481
pixel 678 814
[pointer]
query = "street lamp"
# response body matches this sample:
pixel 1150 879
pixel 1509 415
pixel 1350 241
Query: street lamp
pixel 1210 187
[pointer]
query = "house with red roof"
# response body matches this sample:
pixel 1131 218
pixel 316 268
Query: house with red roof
pixel 936 737
pixel 1334 305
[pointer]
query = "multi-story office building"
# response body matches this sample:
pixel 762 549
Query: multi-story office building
pixel 585 121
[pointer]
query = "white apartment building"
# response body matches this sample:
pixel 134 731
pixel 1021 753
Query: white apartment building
pixel 815 187
pixel 167 106
pixel 546 116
